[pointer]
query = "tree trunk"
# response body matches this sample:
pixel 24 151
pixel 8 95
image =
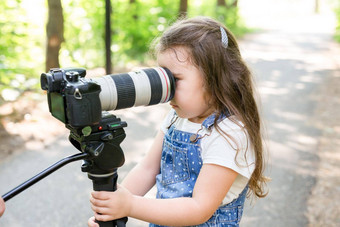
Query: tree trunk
pixel 134 13
pixel 183 8
pixel 235 3
pixel 55 33
pixel 108 64
pixel 317 6
pixel 221 3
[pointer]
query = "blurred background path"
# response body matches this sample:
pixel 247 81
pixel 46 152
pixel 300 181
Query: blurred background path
pixel 294 58
pixel 295 63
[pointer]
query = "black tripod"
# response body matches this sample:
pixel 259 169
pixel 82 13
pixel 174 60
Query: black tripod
pixel 102 155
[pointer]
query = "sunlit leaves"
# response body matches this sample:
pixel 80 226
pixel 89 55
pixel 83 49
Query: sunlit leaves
pixel 135 23
pixel 21 44
pixel 337 31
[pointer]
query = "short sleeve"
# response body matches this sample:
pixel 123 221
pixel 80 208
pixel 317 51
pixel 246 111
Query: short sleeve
pixel 222 150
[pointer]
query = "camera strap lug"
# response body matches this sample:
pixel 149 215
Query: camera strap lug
pixel 77 94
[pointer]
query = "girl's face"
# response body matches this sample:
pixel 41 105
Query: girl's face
pixel 191 100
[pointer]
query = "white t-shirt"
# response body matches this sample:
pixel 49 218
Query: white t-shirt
pixel 219 151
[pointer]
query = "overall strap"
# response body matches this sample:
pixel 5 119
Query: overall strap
pixel 209 122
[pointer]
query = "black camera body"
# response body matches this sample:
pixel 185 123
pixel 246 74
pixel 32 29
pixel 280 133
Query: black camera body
pixel 72 99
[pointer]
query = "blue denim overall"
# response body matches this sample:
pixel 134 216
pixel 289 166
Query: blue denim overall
pixel 180 165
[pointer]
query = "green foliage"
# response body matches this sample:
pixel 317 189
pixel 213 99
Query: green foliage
pixel 83 33
pixel 337 30
pixel 134 25
pixel 19 49
pixel 229 15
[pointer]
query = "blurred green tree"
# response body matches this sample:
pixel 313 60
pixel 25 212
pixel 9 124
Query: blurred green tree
pixel 27 28
pixel 21 55
pixel 337 29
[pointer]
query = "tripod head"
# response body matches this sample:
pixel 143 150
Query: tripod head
pixel 102 142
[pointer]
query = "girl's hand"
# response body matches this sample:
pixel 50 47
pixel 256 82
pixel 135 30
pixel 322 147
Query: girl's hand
pixel 92 222
pixel 111 205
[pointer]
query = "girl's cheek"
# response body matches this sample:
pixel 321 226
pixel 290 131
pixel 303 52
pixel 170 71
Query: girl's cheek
pixel 177 83
pixel 177 88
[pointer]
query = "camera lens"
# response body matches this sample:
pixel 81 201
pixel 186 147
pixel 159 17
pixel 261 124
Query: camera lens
pixel 144 87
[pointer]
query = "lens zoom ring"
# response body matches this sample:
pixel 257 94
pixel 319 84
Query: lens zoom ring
pixel 125 91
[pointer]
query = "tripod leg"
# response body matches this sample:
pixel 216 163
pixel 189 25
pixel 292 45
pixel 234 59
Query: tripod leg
pixel 107 183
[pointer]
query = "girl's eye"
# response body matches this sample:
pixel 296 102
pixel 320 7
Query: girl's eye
pixel 177 77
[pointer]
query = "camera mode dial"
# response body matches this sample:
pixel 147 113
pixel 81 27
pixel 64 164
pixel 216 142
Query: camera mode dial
pixel 72 76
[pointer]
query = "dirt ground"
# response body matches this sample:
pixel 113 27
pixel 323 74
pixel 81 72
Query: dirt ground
pixel 26 124
pixel 324 202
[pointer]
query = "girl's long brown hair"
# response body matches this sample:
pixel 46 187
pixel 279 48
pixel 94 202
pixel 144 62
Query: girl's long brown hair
pixel 227 79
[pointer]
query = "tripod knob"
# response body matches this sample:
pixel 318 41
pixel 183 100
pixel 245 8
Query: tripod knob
pixel 86 166
pixel 95 148
pixel 107 137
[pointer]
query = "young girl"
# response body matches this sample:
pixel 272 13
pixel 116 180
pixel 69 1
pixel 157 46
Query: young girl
pixel 208 153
